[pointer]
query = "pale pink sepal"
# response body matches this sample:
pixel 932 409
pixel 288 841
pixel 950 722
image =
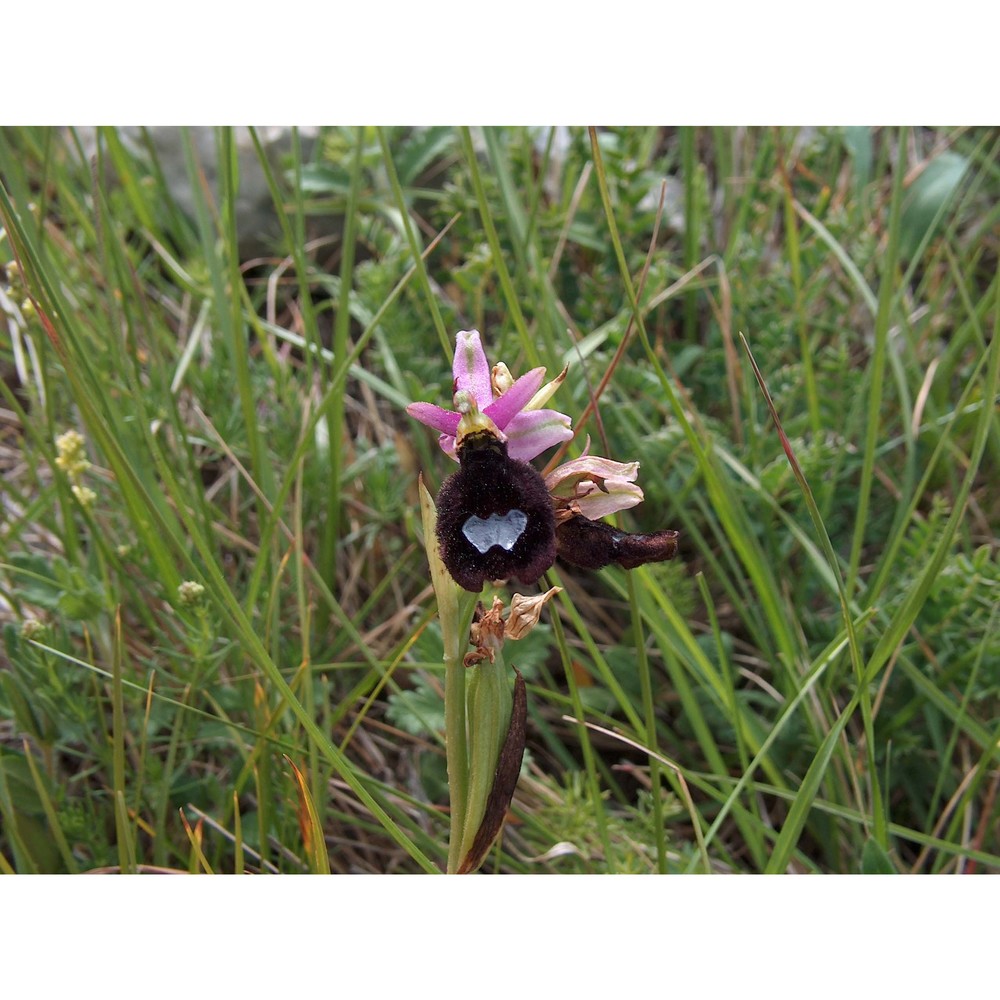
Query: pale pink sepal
pixel 591 467
pixel 471 370
pixel 594 503
pixel 595 486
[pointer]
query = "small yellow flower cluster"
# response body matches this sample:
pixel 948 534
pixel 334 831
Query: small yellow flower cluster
pixel 85 496
pixel 190 593
pixel 11 272
pixel 71 459
pixel 32 628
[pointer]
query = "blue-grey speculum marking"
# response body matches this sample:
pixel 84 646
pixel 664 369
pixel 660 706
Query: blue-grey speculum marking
pixel 498 529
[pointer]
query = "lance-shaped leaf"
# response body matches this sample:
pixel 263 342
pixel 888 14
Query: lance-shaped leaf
pixel 313 838
pixel 504 780
pixel 488 717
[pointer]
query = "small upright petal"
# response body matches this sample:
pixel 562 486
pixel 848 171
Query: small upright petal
pixel 502 379
pixel 547 391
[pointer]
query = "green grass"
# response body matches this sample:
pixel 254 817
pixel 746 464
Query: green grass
pixel 814 685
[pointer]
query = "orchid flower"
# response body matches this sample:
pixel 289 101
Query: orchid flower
pixel 497 518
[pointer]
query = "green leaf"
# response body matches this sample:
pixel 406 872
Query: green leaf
pixel 324 179
pixel 874 859
pixel 419 712
pixel 858 140
pixel 23 816
pixel 928 199
pixel 530 653
pixel 313 837
pixel 81 605
pixel 38 584
pixel 420 150
pixel 57 586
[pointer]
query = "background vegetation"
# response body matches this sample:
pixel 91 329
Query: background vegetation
pixel 812 686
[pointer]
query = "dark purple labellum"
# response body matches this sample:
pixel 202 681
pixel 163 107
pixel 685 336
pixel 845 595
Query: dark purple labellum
pixel 495 519
pixel 594 544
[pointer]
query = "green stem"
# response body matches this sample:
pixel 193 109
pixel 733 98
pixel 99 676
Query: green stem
pixel 455 608
pixel 649 712
pixel 335 408
pixel 691 221
pixel 454 624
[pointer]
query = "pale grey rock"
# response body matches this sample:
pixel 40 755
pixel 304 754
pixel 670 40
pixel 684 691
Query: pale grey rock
pixel 256 221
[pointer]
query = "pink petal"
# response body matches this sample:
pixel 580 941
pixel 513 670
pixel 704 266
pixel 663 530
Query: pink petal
pixel 532 432
pixel 595 486
pixel 621 494
pixel 501 411
pixel 591 467
pixel 471 369
pixel 448 444
pixel 445 421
